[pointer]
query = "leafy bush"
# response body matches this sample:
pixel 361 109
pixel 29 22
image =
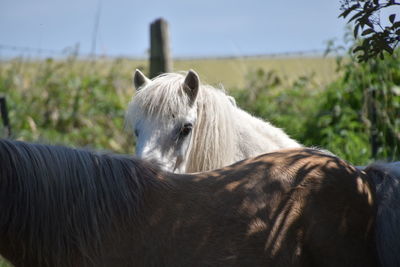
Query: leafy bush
pixel 267 96
pixel 360 108
pixel 69 102
pixel 358 114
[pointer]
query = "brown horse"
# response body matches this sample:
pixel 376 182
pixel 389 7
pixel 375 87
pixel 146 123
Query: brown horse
pixel 301 207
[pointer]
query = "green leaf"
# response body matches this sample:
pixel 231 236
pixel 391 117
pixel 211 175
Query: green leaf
pixel 345 13
pixel 388 49
pixel 369 23
pixel 392 18
pixel 396 24
pixel 358 48
pixel 366 42
pixel 360 58
pixel 356 28
pixel 367 31
pixel 356 16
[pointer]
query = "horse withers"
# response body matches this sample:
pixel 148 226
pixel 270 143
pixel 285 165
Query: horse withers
pixel 301 207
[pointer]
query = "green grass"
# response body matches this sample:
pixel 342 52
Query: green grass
pixel 232 72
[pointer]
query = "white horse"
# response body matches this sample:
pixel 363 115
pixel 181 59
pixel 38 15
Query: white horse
pixel 191 127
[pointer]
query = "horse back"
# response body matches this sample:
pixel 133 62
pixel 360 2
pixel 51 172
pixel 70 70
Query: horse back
pixel 296 208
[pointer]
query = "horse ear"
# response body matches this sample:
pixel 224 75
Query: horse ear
pixel 140 80
pixel 191 85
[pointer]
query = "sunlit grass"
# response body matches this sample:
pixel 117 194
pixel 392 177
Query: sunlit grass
pixel 232 72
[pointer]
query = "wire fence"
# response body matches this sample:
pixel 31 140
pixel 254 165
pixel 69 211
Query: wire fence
pixel 8 51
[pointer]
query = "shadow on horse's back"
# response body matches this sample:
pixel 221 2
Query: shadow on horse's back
pixel 67 207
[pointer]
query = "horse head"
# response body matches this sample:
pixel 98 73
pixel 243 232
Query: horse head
pixel 164 118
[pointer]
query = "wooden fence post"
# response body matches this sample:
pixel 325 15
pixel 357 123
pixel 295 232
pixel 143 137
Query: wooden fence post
pixel 4 116
pixel 160 57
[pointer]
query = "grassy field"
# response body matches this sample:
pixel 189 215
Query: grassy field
pixel 231 73
pixel 82 103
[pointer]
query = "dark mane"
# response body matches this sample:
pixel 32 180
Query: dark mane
pixel 385 179
pixel 52 193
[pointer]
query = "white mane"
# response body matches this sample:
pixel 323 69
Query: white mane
pixel 215 136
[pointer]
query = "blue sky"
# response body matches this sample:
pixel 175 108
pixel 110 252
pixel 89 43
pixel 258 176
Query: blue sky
pixel 197 28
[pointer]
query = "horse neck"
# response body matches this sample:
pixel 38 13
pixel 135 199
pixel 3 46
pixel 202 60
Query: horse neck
pixel 256 136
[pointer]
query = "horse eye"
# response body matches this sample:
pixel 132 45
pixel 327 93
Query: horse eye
pixel 136 133
pixel 186 129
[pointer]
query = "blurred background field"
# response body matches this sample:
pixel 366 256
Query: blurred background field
pixel 320 101
pixel 231 72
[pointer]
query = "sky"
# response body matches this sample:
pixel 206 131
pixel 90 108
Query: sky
pixel 203 28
